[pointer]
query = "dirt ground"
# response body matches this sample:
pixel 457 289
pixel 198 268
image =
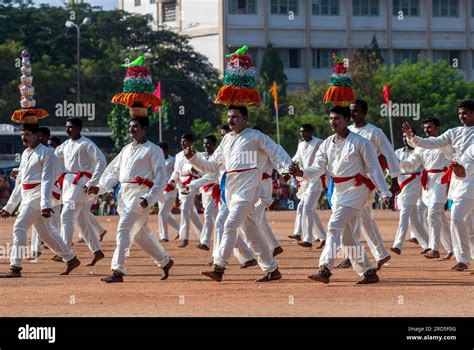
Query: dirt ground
pixel 410 284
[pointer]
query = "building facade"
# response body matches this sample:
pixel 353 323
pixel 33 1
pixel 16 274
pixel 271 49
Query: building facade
pixel 307 32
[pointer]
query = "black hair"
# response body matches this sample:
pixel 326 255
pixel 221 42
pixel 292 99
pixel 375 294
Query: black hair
pixel 75 121
pixel 242 109
pixel 211 138
pixel 55 139
pixel 469 104
pixel 435 121
pixel 34 128
pixel 188 137
pixel 225 127
pixel 307 127
pixel 164 146
pixel 362 104
pixel 45 131
pixel 143 121
pixel 344 111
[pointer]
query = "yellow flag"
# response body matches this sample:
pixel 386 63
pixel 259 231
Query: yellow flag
pixel 273 90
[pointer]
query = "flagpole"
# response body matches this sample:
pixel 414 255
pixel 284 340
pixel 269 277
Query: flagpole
pixel 277 124
pixel 390 121
pixel 159 124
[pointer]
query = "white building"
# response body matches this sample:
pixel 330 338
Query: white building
pixel 306 32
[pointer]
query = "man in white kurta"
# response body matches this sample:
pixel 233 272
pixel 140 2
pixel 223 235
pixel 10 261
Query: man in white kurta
pixel 240 185
pixel 182 176
pixel 165 205
pixel 410 186
pixel 140 168
pixel 435 163
pixel 463 170
pixel 460 139
pixel 208 189
pixel 83 163
pixel 383 148
pixel 33 192
pixel 347 157
pixel 309 192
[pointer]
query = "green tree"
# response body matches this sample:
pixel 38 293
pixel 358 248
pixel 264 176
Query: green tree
pixel 188 79
pixel 271 70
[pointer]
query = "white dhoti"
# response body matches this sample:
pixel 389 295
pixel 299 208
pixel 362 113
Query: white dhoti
pixel 165 217
pixel 409 218
pixel 242 214
pixel 27 217
pixel 134 226
pixel 78 213
pixel 372 234
pixel 461 228
pixel 342 228
pixel 189 215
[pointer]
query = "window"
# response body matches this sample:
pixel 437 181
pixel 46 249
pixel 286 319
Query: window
pixel 169 12
pixel 326 7
pixel 283 7
pixel 243 7
pixel 408 7
pixel 291 58
pixel 365 7
pixel 445 8
pixel 401 55
pixel 322 58
pixel 452 57
pixel 152 1
pixel 137 2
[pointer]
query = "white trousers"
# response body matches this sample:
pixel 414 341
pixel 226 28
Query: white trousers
pixel 189 214
pixel 461 229
pixel 242 214
pixel 55 225
pixel 78 213
pixel 260 209
pixel 307 221
pixel 27 217
pixel 134 226
pixel 409 218
pixel 165 217
pixel 372 234
pixel 439 228
pixel 210 213
pixel 342 228
pixel 242 251
pixel 422 214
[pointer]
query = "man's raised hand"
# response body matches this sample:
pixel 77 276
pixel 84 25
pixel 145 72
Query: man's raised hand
pixel 408 131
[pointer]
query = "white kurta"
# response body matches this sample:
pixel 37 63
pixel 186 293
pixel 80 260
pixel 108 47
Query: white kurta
pixel 81 155
pixel 170 161
pixel 141 160
pixel 305 155
pixel 37 166
pixel 382 145
pixel 460 139
pixel 355 155
pixel 182 170
pixel 241 152
pixel 411 192
pixel 430 159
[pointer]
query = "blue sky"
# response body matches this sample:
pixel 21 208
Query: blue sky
pixel 106 4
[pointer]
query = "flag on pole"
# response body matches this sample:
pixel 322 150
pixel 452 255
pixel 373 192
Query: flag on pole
pixel 274 93
pixel 157 93
pixel 386 93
